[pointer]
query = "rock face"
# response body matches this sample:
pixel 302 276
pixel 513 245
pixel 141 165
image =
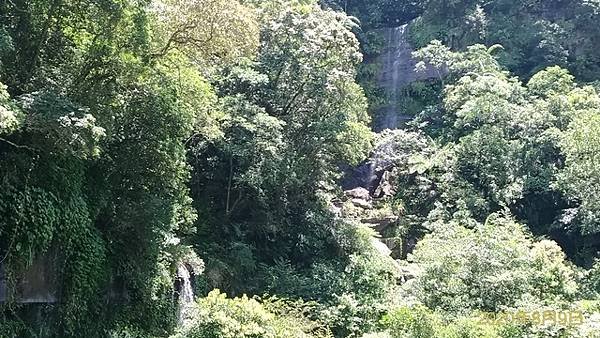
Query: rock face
pixel 386 186
pixel 381 223
pixel 361 203
pixel 408 271
pixel 375 175
pixel 396 72
pixel 36 284
pixel 358 193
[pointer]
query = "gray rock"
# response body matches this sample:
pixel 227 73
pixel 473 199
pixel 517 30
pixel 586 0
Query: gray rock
pixel 359 193
pixel 361 203
pixel 380 247
pixel 408 271
pixel 386 185
pixel 380 223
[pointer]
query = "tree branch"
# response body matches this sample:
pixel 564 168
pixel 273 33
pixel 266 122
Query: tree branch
pixel 18 146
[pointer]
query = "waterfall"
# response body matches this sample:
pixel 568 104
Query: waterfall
pixel 397 71
pixel 185 299
pixel 397 68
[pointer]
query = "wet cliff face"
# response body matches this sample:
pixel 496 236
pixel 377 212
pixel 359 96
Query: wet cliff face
pixel 38 283
pixel 397 70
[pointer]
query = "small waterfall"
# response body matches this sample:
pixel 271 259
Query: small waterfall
pixel 397 71
pixel 185 297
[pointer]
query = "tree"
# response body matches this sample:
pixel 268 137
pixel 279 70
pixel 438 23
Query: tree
pixel 93 140
pixel 579 177
pixel 207 31
pixel 291 117
pixel 489 267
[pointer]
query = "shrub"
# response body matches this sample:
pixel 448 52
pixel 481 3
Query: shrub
pixel 490 267
pixel 217 316
pixel 417 322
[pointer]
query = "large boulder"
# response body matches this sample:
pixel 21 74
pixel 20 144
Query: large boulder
pixel 358 193
pixel 386 186
pixel 380 223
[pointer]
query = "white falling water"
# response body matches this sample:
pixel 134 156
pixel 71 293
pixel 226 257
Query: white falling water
pixel 185 298
pixel 397 71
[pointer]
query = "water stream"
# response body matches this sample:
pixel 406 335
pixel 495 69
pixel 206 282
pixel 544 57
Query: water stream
pixel 397 71
pixel 185 299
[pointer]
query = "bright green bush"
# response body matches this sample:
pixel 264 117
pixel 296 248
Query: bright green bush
pixel 489 267
pixel 352 297
pixel 417 322
pixel 217 316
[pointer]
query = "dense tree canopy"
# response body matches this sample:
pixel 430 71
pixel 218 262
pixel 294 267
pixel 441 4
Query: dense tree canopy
pixel 180 168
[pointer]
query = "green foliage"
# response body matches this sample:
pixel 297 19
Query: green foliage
pixel 484 159
pixel 378 13
pixel 32 229
pixel 352 294
pixel 61 125
pixel 9 116
pixel 551 81
pixel 218 316
pixel 507 141
pixel 418 321
pixel 591 283
pixel 535 34
pixel 578 177
pixel 206 31
pixel 360 293
pixel 137 136
pixel 93 162
pixel 289 118
pixel 415 322
pixel 494 265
